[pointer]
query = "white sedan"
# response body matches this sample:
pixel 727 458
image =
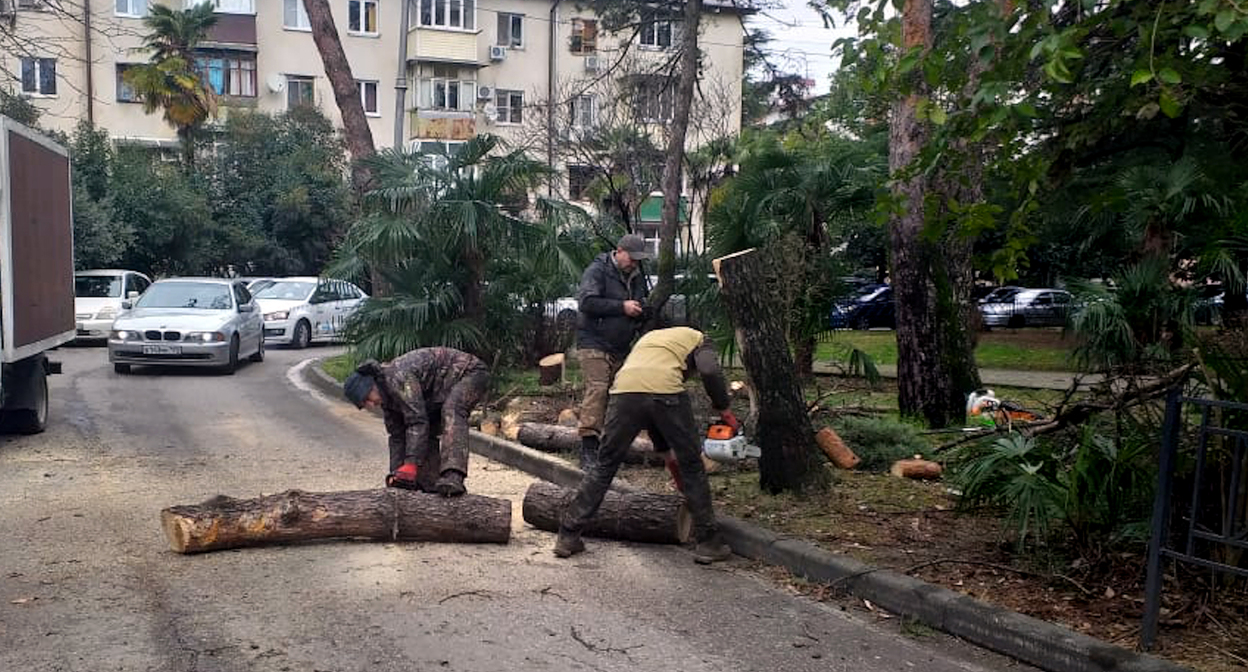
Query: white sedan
pixel 300 310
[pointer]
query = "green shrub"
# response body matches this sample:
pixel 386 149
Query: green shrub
pixel 879 442
pixel 339 366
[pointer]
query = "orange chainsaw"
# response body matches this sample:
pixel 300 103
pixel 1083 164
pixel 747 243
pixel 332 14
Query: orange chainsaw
pixel 725 444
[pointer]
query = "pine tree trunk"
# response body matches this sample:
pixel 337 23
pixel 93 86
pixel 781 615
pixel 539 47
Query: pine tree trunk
pixel 790 459
pixel 648 517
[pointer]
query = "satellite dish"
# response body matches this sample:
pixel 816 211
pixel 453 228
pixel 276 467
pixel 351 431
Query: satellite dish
pixel 276 83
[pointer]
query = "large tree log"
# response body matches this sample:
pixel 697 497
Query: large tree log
pixel 790 459
pixel 386 514
pixel 648 517
pixel 559 439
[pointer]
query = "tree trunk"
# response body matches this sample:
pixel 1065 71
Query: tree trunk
pixel 559 439
pixel 648 517
pixel 381 515
pixel 673 165
pixel 346 91
pixel 790 460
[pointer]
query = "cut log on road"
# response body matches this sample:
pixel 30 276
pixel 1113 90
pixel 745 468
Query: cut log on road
pixel 648 517
pixel 550 369
pixel 558 439
pixel 387 514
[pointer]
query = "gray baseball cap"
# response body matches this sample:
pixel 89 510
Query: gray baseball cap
pixel 635 246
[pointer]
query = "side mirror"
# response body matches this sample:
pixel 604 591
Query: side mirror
pixel 247 308
pixel 127 305
pixel 132 294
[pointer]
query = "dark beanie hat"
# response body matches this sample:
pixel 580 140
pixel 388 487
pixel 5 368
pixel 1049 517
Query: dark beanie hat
pixel 356 387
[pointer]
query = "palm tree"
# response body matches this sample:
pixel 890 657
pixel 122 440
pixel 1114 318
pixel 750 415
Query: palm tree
pixel 170 81
pixel 463 251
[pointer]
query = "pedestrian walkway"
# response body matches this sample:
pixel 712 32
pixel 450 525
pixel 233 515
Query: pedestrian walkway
pixel 1038 380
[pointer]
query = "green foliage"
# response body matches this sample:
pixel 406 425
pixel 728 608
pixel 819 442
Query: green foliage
pixel 879 442
pixel 19 108
pixel 100 240
pixel 468 260
pixel 170 214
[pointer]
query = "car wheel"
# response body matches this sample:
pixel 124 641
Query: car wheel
pixel 32 420
pixel 232 365
pixel 121 368
pixel 302 336
pixel 1016 322
pixel 259 354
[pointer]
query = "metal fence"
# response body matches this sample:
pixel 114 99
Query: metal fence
pixel 1213 526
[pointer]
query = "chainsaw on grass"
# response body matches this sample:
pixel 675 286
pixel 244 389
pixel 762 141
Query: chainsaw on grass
pixel 723 443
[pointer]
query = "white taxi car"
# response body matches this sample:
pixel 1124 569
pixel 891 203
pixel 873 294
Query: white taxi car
pixel 300 310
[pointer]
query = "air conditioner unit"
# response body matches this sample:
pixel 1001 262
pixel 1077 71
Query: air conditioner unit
pixel 593 64
pixel 497 53
pixel 485 93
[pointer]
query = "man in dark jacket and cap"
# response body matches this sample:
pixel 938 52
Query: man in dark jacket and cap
pixel 611 300
pixel 423 395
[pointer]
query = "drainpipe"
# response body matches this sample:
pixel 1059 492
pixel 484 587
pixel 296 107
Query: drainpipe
pixel 86 28
pixel 550 97
pixel 400 80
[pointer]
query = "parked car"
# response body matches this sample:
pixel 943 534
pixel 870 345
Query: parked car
pixel 1000 294
pixel 873 306
pixel 188 322
pixel 98 295
pixel 300 310
pixel 256 284
pixel 1029 308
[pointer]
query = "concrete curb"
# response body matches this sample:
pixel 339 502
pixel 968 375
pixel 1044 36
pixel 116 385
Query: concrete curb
pixel 1045 645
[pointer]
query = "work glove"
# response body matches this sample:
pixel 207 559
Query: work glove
pixel 731 420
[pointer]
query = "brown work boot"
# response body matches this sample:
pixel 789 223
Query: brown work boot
pixel 568 544
pixel 450 484
pixel 711 549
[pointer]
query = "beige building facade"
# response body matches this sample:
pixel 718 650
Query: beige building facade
pixel 469 67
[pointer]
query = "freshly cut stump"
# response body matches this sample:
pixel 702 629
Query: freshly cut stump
pixel 388 514
pixel 649 517
pixel 550 369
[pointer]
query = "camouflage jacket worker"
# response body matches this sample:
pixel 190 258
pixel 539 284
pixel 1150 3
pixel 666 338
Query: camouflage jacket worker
pixel 416 385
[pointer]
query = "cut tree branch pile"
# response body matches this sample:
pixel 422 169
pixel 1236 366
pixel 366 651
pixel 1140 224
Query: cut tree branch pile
pixel 379 515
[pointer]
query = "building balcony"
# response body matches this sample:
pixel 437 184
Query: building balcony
pixel 444 46
pixel 440 125
pixel 232 31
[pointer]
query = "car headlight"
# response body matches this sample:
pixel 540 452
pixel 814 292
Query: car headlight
pixel 204 336
pixel 279 315
pixel 125 335
pixel 107 312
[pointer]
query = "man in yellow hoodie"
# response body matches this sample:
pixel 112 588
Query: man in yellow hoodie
pixel 649 393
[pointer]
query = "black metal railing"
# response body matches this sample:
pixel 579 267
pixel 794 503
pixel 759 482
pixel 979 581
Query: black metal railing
pixel 1214 525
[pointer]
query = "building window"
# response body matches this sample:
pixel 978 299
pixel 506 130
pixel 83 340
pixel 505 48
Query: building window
pixel 579 179
pixel 299 91
pixel 368 97
pixel 584 36
pixel 584 111
pixel 652 100
pixel 649 232
pixel 131 8
pixel 510 106
pixel 657 33
pixel 446 87
pixel 294 16
pixel 39 76
pixel 125 92
pixel 437 153
pixel 459 14
pixel 227 6
pixel 510 30
pixel 230 75
pixel 362 16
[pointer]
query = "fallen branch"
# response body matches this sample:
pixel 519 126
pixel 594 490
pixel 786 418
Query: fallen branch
pixel 1081 411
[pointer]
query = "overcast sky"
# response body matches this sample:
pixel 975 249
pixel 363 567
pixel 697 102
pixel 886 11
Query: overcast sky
pixel 800 42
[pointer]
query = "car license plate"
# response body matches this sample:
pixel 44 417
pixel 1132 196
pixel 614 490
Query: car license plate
pixel 162 349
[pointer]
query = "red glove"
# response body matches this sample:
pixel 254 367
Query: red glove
pixel 730 420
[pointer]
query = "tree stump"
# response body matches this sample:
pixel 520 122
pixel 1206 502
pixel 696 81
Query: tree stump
pixel 388 514
pixel 790 459
pixel 648 517
pixel 559 439
pixel 550 369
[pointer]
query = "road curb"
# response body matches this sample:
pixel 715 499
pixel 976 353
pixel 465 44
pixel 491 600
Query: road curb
pixel 1040 643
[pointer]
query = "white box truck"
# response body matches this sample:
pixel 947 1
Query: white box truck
pixel 36 271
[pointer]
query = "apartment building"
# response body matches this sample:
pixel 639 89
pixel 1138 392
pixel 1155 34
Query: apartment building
pixel 531 71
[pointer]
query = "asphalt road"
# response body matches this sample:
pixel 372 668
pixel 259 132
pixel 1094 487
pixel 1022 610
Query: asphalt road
pixel 87 581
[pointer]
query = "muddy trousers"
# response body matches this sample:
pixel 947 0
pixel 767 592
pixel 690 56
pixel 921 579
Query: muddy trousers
pixel 598 371
pixel 448 430
pixel 669 420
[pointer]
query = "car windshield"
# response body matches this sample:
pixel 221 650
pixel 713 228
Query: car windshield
pixel 288 290
pixel 1001 294
pixel 872 294
pixel 198 295
pixel 97 286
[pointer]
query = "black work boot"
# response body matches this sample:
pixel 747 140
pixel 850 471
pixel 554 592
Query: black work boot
pixel 451 483
pixel 711 549
pixel 589 453
pixel 568 544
